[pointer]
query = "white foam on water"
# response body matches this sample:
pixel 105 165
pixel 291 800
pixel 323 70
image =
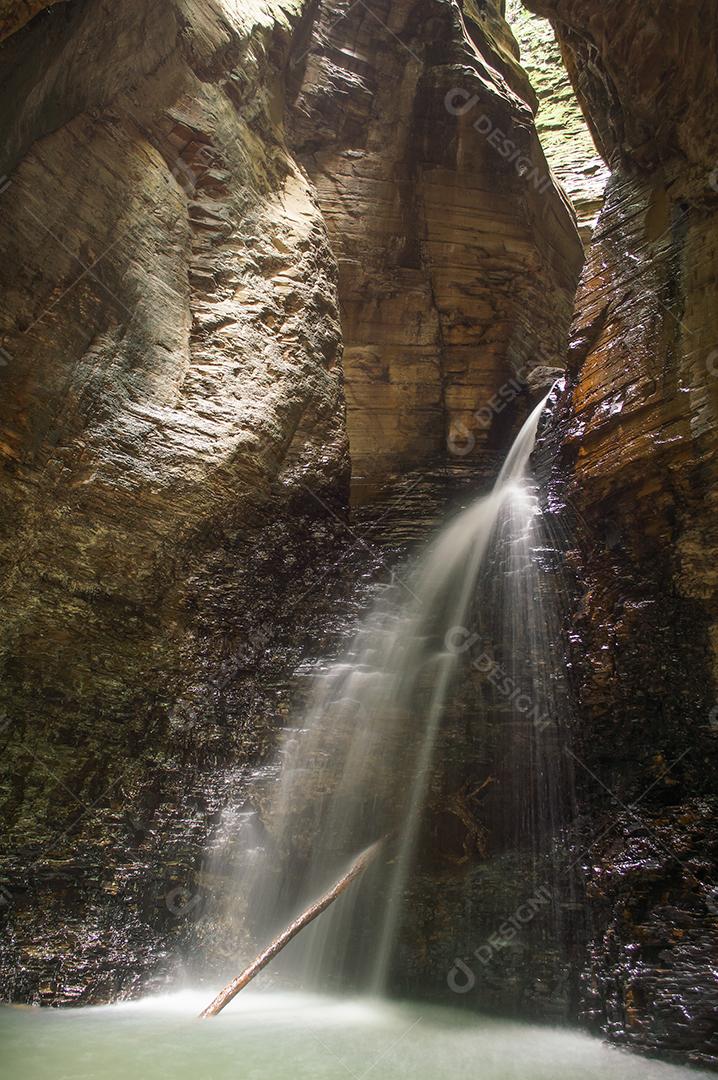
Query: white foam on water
pixel 284 1036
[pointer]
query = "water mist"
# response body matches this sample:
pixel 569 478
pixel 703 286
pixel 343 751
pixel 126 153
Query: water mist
pixel 362 759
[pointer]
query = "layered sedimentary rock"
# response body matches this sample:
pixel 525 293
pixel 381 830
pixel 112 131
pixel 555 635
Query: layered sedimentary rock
pixel 171 390
pixel 640 436
pixel 457 254
pixel 561 126
pixel 172 425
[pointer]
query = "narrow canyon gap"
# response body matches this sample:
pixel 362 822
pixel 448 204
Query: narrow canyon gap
pixel 282 283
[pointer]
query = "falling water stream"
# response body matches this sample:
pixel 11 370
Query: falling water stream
pixel 361 764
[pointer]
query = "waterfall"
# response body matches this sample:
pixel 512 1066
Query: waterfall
pixel 362 761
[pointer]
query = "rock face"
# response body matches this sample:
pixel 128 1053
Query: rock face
pixel 639 449
pixel 205 202
pixel 183 178
pixel 457 255
pixel 171 390
pixel 560 124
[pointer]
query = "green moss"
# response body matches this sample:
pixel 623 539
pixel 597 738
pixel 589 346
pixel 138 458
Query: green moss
pixel 562 129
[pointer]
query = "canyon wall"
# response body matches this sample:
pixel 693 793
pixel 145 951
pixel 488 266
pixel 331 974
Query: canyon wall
pixel 639 450
pixel 180 181
pixel 457 254
pixel 14 14
pixel 171 391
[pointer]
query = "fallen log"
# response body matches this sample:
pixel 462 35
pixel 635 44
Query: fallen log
pixel 231 989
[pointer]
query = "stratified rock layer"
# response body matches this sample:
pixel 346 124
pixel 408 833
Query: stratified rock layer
pixel 640 449
pixel 171 392
pixel 457 255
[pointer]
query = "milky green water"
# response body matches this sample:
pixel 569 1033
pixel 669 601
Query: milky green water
pixel 274 1036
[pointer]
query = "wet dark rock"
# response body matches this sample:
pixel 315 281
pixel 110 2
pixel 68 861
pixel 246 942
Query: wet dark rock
pixel 634 485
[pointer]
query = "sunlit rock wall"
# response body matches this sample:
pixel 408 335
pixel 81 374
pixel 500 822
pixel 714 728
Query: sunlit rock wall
pixel 457 255
pixel 171 391
pixel 640 454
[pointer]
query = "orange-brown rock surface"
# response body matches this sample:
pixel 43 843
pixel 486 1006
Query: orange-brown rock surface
pixel 457 257
pixel 640 446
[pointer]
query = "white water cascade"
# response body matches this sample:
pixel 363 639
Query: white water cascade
pixel 362 761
